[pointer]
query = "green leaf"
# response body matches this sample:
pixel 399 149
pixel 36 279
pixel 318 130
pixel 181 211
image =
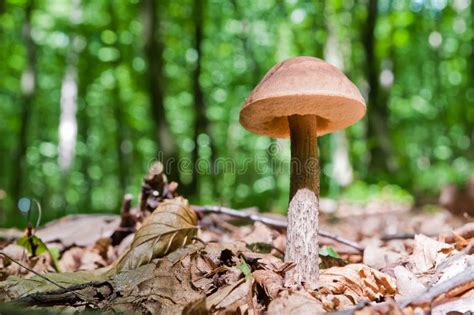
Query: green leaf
pixel 329 258
pixel 35 246
pixel 55 254
pixel 328 251
pixel 260 247
pixel 246 270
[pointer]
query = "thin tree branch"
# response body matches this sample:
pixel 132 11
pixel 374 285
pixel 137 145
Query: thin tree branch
pixel 278 223
pixel 431 293
pixel 422 299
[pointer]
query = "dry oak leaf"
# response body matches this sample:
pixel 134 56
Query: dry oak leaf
pixel 356 282
pixel 172 225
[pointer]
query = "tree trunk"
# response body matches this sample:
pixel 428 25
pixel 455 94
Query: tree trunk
pixel 83 131
pixel 302 237
pixel 380 147
pixel 67 131
pixel 470 130
pixel 342 172
pixel 201 123
pixel 28 87
pixel 118 106
pixel 255 73
pixel 167 149
pixel 85 72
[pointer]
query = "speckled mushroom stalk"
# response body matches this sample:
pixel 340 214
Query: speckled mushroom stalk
pixel 302 236
pixel 302 98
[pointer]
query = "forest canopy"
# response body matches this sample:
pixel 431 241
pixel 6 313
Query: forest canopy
pixel 92 92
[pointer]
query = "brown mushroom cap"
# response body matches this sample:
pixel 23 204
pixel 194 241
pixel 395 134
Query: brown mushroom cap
pixel 302 86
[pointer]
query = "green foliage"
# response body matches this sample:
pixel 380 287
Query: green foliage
pixel 328 251
pixel 260 247
pixel 330 258
pixel 423 55
pixel 245 268
pixel 35 246
pixel 362 192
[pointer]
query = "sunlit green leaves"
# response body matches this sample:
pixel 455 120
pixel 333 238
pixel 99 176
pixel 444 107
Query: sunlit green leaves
pixel 35 246
pixel 423 49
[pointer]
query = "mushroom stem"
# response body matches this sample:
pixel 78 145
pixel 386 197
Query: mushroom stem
pixel 302 235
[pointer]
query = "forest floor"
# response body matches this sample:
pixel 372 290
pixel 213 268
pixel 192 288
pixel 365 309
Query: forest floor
pixel 168 257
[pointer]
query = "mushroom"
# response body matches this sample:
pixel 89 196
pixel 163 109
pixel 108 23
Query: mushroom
pixel 302 98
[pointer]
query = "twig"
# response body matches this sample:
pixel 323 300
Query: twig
pixel 387 307
pixel 402 236
pixel 278 223
pixel 466 231
pixel 424 298
pixel 242 214
pixel 431 293
pixel 397 236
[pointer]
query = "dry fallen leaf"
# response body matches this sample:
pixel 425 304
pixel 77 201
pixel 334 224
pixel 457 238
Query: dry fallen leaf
pixel 261 233
pixel 81 230
pixel 230 297
pixel 356 282
pixel 295 303
pixel 161 287
pixel 42 263
pixel 271 282
pixel 380 257
pixel 428 253
pixel 407 283
pixel 7 267
pixel 172 225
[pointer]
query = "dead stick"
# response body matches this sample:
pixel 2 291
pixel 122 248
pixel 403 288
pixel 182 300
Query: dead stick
pixel 423 299
pixel 278 223
pixel 431 293
pixel 402 236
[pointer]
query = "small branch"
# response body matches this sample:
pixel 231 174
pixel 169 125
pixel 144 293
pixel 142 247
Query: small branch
pixel 278 223
pixel 424 298
pixel 397 236
pixel 466 231
pixel 431 293
pixel 242 214
pixel 402 236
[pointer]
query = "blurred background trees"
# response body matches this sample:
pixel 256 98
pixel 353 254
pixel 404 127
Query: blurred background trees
pixel 91 92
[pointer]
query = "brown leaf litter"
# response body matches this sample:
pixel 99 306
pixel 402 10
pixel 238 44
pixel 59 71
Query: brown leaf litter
pixel 161 258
